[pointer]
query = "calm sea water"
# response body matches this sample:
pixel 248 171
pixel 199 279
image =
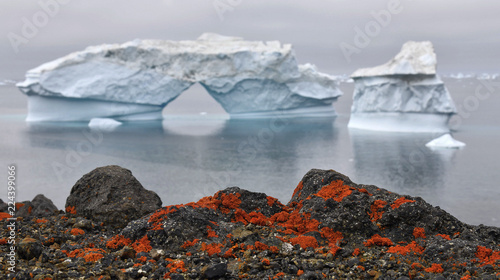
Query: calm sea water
pixel 198 150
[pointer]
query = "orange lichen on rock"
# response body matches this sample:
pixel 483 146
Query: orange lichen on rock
pixel 157 217
pixel 279 217
pixel 375 207
pixel 71 210
pixel 400 201
pixel 41 221
pixel 445 236
pixel 419 232
pixel 118 241
pixel 333 237
pixel 300 272
pixel 88 254
pixel 487 256
pixel 265 261
pixel 4 215
pixel 190 243
pixel 77 231
pixel 174 266
pixel 241 216
pixel 19 205
pixel 404 250
pixel 212 248
pixel 211 233
pixel 271 200
pixel 142 245
pixel 300 223
pixel 3 241
pixel 305 241
pixel 298 189
pixel 335 190
pixel 258 218
pixel 378 240
pixel 363 190
pixel 229 201
pixel 356 252
pixel 435 268
pixel 260 246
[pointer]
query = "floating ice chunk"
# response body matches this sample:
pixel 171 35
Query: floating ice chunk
pixel 446 141
pixel 104 124
pixel 243 76
pixel 403 95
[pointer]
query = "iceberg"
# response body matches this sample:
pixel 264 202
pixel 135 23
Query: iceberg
pixel 104 124
pixel 137 79
pixel 445 141
pixel 403 95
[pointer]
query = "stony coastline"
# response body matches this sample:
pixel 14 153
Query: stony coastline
pixel 332 228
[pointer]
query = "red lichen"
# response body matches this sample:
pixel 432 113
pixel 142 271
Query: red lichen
pixel 260 246
pixel 3 241
pixel 211 233
pixel 445 236
pixel 365 191
pixel 4 215
pixel 298 189
pixel 258 218
pixel 305 241
pixel 241 216
pixel 229 201
pixel 300 272
pixel 378 240
pixel 265 261
pixel 77 231
pixel 118 241
pixel 19 205
pixel 487 256
pixel 190 243
pixel 41 221
pixel 435 268
pixel 300 223
pixel 375 207
pixel 356 252
pixel 335 190
pixel 271 200
pixel 416 266
pixel 142 259
pixel 419 232
pixel 175 266
pixel 88 254
pixel 212 248
pixel 278 275
pixel 71 210
pixel 404 250
pixel 400 201
pixel 142 245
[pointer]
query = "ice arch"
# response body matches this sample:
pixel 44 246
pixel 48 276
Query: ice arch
pixel 137 79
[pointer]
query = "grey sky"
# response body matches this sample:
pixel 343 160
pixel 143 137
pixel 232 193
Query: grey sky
pixel 465 34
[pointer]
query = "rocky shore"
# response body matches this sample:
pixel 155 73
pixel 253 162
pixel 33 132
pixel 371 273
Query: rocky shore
pixel 332 228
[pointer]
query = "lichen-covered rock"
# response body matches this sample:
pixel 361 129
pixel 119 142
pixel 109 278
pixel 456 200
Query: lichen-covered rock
pixel 40 206
pixel 112 195
pixel 331 229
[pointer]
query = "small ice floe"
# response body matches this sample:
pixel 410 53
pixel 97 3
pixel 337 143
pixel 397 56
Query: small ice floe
pixel 104 124
pixel 445 142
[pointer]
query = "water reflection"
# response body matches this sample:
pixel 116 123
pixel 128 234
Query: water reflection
pixel 399 161
pixel 197 156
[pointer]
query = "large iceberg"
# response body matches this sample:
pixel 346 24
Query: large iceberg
pixel 405 94
pixel 137 79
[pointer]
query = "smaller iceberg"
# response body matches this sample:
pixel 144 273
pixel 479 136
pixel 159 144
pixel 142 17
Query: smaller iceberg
pixel 445 142
pixel 104 124
pixel 402 95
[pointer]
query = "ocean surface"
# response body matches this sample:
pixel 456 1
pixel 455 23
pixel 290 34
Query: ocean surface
pixel 197 150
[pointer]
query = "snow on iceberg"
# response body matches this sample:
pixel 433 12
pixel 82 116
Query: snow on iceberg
pixel 404 94
pixel 445 141
pixel 104 124
pixel 137 79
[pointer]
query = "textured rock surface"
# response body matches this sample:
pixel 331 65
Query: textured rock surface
pixel 112 195
pixel 332 228
pixel 140 77
pixel 407 84
pixel 40 206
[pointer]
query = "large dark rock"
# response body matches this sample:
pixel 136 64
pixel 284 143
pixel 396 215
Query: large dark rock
pixel 112 195
pixel 40 206
pixel 365 210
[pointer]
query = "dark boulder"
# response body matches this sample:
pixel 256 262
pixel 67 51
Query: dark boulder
pixel 111 195
pixel 40 206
